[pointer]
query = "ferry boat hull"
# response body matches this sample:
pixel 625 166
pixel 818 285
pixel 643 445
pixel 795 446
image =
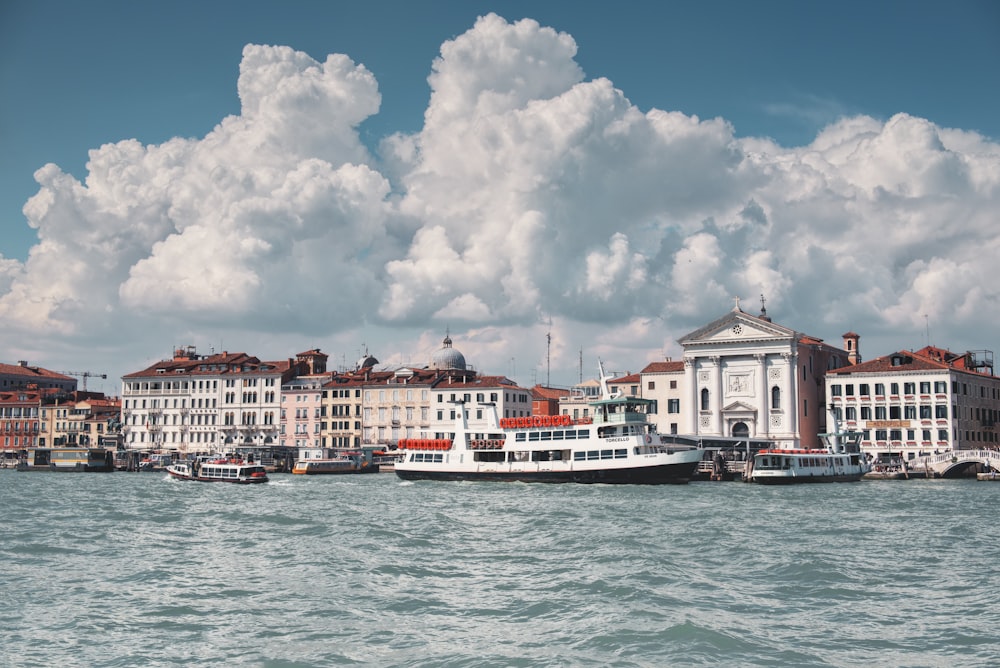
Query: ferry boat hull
pixel 662 474
pixel 762 479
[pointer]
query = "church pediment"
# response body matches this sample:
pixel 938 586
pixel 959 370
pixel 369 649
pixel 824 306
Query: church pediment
pixel 737 326
pixel 739 407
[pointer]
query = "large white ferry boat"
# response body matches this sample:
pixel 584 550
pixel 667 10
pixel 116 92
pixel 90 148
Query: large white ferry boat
pixel 841 460
pixel 618 444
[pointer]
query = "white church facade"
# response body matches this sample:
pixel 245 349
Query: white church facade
pixel 748 378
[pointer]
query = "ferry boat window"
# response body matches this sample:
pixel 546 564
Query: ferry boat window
pixel 558 435
pixel 579 456
pixel 534 436
pixel 593 454
pixel 621 454
pixel 606 454
pixel 520 436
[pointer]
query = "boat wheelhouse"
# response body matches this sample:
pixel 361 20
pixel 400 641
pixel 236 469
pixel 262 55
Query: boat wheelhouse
pixel 619 444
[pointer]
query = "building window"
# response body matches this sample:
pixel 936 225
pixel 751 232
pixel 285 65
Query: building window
pixel 673 405
pixel 879 389
pixel 704 399
pixel 852 413
pixel 673 385
pixel 651 385
pixel 775 398
pixel 940 387
pixel 835 390
pixel 941 411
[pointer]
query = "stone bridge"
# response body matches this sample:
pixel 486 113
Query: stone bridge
pixel 951 463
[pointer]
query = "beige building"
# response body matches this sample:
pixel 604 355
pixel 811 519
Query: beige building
pixel 909 404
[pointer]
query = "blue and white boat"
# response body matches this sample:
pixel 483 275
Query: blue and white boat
pixel 840 460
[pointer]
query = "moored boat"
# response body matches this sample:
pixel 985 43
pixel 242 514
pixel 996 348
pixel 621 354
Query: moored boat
pixel 841 460
pixel 68 459
pixel 895 469
pixel 617 445
pixel 343 463
pixel 219 469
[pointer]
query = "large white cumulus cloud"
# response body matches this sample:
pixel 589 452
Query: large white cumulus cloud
pixel 530 193
pixel 263 222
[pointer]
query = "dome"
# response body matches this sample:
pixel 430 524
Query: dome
pixel 367 362
pixel 447 357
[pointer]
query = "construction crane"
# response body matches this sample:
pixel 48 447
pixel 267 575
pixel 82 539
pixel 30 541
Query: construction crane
pixel 85 375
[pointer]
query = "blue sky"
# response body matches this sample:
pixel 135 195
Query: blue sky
pixel 855 147
pixel 76 75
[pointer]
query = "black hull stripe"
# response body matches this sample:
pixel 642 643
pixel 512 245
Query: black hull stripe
pixel 798 480
pixel 669 474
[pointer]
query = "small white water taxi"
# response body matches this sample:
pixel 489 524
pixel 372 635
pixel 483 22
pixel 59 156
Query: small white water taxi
pixel 840 461
pixel 219 469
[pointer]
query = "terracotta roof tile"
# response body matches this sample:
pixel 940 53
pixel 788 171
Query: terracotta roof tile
pixel 663 367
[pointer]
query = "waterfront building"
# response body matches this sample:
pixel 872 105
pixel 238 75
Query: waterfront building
pixel 396 404
pixel 908 404
pixel 205 403
pixel 545 400
pixel 301 411
pixel 577 402
pixel 341 409
pixel 84 419
pixel 22 376
pixel 626 386
pixel 477 395
pixel 663 382
pixel 746 377
pixel 20 423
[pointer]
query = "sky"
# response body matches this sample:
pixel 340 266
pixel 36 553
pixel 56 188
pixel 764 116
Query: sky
pixel 548 183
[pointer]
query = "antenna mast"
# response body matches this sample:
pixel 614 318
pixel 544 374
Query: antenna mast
pixel 548 356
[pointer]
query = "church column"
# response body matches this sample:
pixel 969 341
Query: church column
pixel 764 396
pixel 790 401
pixel 715 397
pixel 691 402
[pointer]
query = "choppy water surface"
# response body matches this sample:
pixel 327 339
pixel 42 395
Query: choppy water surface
pixel 131 569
